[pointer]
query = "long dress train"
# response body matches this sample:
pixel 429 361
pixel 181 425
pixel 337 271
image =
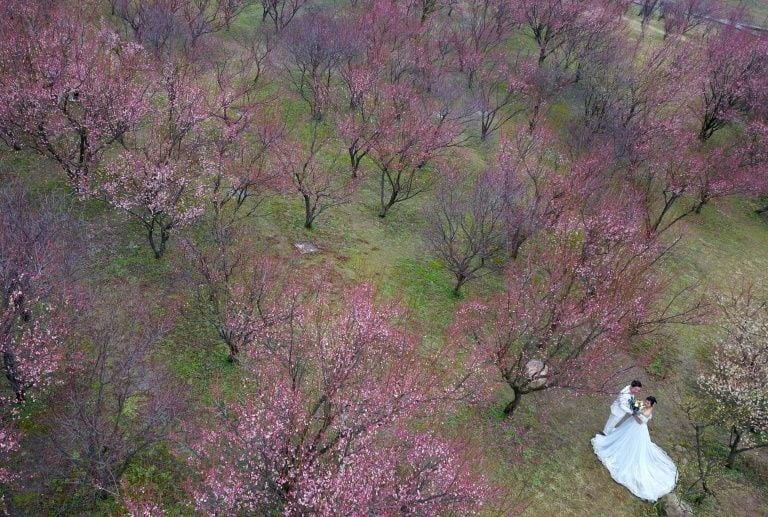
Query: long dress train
pixel 635 461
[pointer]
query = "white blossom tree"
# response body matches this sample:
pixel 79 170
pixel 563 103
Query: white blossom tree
pixel 737 380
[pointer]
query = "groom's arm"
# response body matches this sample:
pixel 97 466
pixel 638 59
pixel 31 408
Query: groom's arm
pixel 625 398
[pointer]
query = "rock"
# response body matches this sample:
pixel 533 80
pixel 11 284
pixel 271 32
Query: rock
pixel 306 247
pixel 673 506
pixel 680 448
pixel 536 370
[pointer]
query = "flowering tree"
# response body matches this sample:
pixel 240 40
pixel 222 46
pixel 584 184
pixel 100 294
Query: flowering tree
pixel 281 12
pixel 314 176
pixel 32 319
pixel 566 313
pixel 241 135
pixel 631 94
pixel 466 225
pixel 527 165
pixel 561 28
pixel 381 48
pixel 238 292
pixel 119 405
pixel 160 23
pixel 72 88
pixel 737 378
pixel 410 132
pixel 158 179
pixel 358 132
pixel 499 92
pixel 323 427
pixel 315 44
pixel 161 196
pixel 666 181
pixel 684 16
pixel 483 26
pixel 732 75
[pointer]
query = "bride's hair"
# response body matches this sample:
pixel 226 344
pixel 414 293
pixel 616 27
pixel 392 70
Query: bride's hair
pixel 651 399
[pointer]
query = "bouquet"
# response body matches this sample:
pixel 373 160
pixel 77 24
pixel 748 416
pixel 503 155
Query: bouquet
pixel 635 405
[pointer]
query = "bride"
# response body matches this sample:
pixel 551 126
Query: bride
pixel 634 460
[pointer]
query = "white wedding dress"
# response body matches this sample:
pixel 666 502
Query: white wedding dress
pixel 635 461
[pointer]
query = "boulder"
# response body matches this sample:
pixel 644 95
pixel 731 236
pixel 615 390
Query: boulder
pixel 537 371
pixel 673 506
pixel 306 247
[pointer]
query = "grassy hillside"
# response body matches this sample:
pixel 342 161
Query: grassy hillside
pixel 540 461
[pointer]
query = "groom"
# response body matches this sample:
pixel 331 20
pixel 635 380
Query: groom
pixel 620 406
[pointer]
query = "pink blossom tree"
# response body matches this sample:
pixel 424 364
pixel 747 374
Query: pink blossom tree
pixel 241 134
pixel 566 314
pixel 32 307
pixel 315 176
pixel 666 180
pixel 561 28
pixel 121 403
pixel 499 92
pixel 281 12
pixel 731 76
pixel 465 225
pixel 159 195
pixel 483 27
pixel 358 131
pixel 631 94
pixel 73 88
pixel 528 168
pixel 410 132
pixel 238 293
pixel 685 16
pixel 324 426
pixel 314 44
pixel 381 47
pixel 158 179
pixel 180 23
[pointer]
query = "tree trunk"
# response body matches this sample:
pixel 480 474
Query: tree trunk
pixel 534 116
pixel 703 200
pixel 485 127
pixel 9 366
pixel 385 206
pixel 733 447
pixel 158 247
pixel 309 215
pixel 460 281
pixel 355 157
pixel 516 243
pixel 234 352
pixel 514 403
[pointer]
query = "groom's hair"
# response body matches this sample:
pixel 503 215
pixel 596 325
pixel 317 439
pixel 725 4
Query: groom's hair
pixel 651 399
pixel 636 384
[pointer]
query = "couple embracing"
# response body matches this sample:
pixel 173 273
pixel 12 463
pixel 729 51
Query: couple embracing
pixel 626 449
